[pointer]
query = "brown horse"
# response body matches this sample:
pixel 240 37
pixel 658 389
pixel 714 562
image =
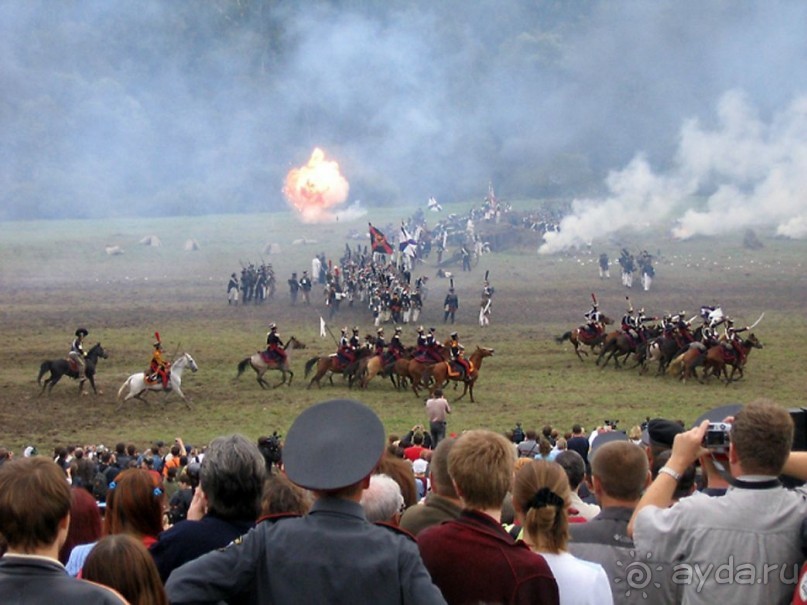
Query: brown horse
pixel 420 373
pixel 331 363
pixel 716 360
pixel 442 374
pixel 684 366
pixel 618 344
pixel 258 363
pixel 581 336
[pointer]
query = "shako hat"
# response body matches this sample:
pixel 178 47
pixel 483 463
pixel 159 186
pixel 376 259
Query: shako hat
pixel 321 451
pixel 82 332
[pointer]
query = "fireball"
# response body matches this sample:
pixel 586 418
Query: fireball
pixel 316 188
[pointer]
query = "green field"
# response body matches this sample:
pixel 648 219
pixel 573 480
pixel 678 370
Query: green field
pixel 55 276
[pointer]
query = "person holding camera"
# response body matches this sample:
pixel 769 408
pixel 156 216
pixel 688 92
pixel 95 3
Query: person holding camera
pixel 746 544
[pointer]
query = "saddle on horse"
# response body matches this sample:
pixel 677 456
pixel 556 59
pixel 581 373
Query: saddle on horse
pixel 158 378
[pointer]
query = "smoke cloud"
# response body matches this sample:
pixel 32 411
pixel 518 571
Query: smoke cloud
pixel 743 173
pixel 165 108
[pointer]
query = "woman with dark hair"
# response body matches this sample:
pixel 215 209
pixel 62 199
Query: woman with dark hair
pixel 85 522
pixel 541 497
pixel 122 563
pixel 134 506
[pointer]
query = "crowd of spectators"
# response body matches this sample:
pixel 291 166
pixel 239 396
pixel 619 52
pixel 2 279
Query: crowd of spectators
pixel 521 516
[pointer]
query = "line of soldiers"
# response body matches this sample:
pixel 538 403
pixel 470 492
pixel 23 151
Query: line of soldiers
pixel 257 284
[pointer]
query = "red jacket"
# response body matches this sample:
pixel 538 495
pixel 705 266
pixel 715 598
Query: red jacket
pixel 473 559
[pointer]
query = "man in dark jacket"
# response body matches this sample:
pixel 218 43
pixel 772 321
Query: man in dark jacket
pixel 34 517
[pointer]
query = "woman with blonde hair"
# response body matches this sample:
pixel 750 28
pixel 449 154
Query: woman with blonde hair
pixel 541 497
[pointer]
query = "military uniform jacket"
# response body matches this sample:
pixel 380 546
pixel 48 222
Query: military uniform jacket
pixel 331 555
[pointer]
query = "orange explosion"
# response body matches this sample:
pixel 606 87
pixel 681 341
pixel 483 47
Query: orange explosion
pixel 316 188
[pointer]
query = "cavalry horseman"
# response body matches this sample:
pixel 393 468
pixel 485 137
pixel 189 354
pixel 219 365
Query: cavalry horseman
pixel 159 366
pixel 380 343
pixel 422 343
pixel 432 344
pixel 274 346
pixel 629 324
pixel 395 349
pixel 77 353
pixel 457 355
pixel 733 342
pixel 593 318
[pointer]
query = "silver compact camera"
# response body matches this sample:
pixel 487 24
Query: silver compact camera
pixel 717 436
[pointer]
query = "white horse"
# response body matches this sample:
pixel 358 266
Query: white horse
pixel 137 387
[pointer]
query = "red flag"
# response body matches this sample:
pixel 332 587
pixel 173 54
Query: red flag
pixel 379 241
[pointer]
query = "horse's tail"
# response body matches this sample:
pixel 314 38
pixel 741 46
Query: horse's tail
pixel 566 336
pixel 676 366
pixel 242 365
pixel 43 369
pixel 123 387
pixel 310 364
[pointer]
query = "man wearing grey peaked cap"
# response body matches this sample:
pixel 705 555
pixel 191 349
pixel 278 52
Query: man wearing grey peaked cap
pixel 331 555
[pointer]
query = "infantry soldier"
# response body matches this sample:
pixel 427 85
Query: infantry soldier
pixel 486 304
pixel 232 290
pixel 450 305
pixel 77 353
pixel 605 271
pixel 305 286
pixel 294 288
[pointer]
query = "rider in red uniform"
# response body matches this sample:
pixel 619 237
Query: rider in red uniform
pixel 159 366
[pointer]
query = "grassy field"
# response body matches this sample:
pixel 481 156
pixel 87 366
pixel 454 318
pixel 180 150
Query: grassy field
pixel 55 276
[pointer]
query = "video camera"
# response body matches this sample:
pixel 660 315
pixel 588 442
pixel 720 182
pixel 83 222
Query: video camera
pixel 611 423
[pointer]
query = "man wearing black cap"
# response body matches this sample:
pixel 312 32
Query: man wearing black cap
pixel 333 554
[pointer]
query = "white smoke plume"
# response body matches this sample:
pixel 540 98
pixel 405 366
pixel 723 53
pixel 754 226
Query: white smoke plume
pixel 745 172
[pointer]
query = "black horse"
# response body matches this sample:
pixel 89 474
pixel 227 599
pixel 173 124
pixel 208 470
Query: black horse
pixel 61 367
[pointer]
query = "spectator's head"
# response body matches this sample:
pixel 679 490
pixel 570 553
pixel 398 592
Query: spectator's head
pixel 438 470
pixel 635 433
pixel 561 443
pixel 481 467
pixel 85 522
pixel 619 472
pixel 281 496
pixel 574 465
pixel 531 434
pixel 134 505
pixel 544 447
pixel 34 504
pixel 401 471
pixel 761 437
pixel 659 435
pixel 383 501
pixel 122 563
pixel 541 496
pixel 120 449
pixel 315 455
pixel 231 477
pixel 438 393
pixel 417 438
pixel 577 429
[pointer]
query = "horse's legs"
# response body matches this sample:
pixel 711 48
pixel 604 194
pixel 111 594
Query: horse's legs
pixel 181 394
pixel 291 377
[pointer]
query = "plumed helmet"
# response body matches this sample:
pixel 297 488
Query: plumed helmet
pixel 344 330
pixel 397 329
pixel 273 327
pixel 82 332
pixel 453 335
pixel 157 342
pixel 379 331
pixel 420 330
pixel 432 330
pixel 355 330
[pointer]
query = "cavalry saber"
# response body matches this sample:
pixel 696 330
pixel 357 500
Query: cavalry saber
pixel 753 325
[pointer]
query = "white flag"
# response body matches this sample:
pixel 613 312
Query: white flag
pixel 322 333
